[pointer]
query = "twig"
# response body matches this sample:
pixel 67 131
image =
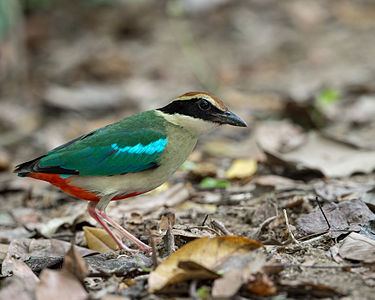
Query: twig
pixel 312 266
pixel 204 227
pixel 321 233
pixel 324 215
pixel 205 219
pixel 289 229
pixel 217 224
pixel 258 231
pixel 265 223
pixel 154 254
pixel 169 239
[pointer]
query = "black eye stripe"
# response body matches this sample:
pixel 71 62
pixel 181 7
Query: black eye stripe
pixel 191 108
pixel 204 104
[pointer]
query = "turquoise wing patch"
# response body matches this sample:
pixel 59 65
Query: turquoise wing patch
pixel 149 149
pixel 104 154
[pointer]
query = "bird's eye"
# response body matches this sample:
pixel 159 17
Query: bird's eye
pixel 203 104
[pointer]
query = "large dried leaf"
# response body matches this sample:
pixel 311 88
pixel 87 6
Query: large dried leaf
pixel 237 271
pixel 99 240
pixel 22 283
pixel 59 285
pixel 345 215
pixel 279 136
pixel 358 247
pixel 75 264
pixel 331 158
pixel 206 252
pixel 67 283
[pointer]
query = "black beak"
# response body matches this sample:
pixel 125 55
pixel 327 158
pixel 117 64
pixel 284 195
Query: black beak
pixel 227 117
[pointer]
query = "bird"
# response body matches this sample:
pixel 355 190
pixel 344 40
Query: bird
pixel 130 157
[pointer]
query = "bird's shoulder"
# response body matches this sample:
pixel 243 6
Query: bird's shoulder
pixel 142 128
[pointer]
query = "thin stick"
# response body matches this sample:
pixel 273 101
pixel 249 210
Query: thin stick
pixel 324 215
pixel 205 219
pixel 318 234
pixel 170 243
pixel 261 227
pixel 289 229
pixel 153 254
pixel 220 226
pixel 204 227
pixel 312 267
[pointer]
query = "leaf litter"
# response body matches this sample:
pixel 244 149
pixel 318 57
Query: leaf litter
pixel 310 135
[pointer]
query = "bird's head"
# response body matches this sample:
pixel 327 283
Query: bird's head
pixel 199 113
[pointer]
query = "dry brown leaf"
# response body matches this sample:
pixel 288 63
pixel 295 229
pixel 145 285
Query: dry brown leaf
pixel 67 283
pixel 199 270
pixel 166 221
pixel 21 270
pixel 99 240
pixel 228 285
pixel 3 251
pixel 237 271
pixel 75 264
pixel 348 214
pixel 358 247
pixel 279 136
pixel 241 169
pixel 59 285
pixel 262 285
pixel 209 253
pixel 319 153
pixel 22 283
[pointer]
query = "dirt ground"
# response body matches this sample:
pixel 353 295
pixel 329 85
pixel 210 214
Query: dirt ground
pixel 300 73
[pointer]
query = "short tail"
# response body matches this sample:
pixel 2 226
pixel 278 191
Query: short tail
pixel 26 168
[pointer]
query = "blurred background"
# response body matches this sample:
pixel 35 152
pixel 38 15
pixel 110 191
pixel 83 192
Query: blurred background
pixel 300 73
pixel 67 67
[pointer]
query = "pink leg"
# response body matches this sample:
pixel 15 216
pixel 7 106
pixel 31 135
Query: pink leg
pixel 99 215
pixel 124 232
pixel 93 213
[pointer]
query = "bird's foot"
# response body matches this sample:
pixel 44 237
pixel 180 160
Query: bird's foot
pixel 102 218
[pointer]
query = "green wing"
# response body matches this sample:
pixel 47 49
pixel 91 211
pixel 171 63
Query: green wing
pixel 131 145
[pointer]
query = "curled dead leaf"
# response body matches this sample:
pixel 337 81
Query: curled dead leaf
pixel 75 264
pixel 205 252
pixel 99 240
